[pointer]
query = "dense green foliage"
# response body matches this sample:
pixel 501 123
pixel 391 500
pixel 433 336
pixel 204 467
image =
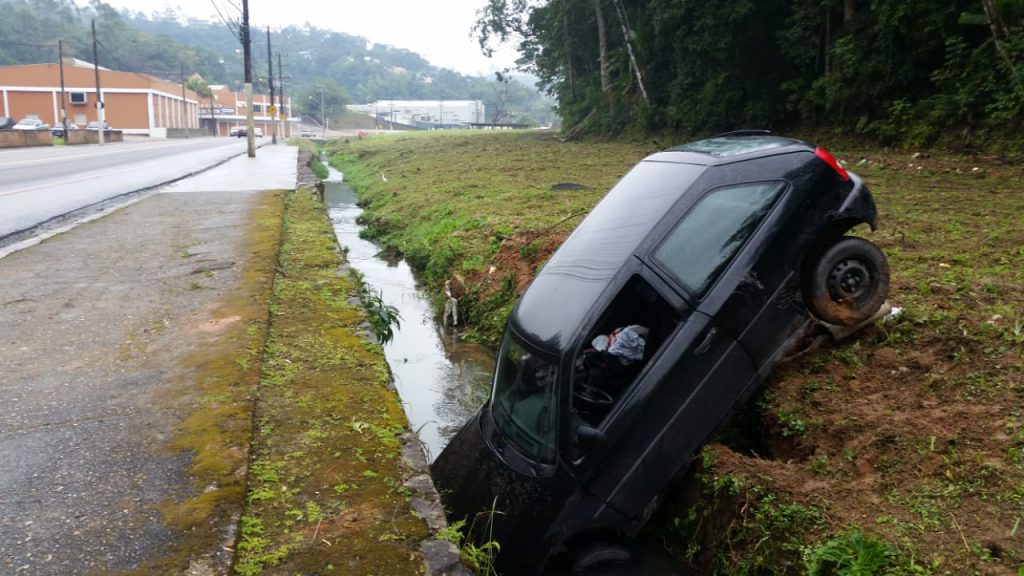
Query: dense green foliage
pixel 167 44
pixel 887 69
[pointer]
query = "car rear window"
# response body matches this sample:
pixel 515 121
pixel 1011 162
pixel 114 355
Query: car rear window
pixel 705 240
pixel 728 146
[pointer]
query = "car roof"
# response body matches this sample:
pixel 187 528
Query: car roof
pixel 563 293
pixel 732 147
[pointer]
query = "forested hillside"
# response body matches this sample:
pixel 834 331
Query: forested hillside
pixel 891 70
pixel 167 44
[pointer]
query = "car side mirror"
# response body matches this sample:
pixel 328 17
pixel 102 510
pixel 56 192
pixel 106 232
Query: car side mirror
pixel 589 437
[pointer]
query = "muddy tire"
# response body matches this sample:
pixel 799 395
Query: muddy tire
pixel 849 282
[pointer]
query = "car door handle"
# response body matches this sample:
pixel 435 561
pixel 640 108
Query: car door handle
pixel 706 344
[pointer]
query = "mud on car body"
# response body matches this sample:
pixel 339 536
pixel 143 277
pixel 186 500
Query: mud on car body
pixel 724 251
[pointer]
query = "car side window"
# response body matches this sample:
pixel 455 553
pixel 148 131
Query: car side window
pixel 627 336
pixel 700 246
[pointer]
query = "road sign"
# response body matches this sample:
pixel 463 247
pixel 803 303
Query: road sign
pixel 272 110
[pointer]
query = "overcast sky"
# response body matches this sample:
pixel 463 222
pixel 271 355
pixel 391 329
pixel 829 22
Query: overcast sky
pixel 439 31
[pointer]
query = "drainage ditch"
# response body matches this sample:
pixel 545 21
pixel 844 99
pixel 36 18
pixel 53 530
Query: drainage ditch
pixel 441 379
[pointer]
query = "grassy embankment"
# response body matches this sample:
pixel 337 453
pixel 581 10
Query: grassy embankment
pixel 900 450
pixel 325 484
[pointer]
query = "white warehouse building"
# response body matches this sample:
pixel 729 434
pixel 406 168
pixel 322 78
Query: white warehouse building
pixel 425 114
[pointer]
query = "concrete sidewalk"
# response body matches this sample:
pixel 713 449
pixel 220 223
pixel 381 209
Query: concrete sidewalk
pixel 114 336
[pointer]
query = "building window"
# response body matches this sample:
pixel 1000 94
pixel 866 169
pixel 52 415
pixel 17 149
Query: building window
pixel 257 108
pixel 78 98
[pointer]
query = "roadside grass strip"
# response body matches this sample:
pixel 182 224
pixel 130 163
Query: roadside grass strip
pixel 325 493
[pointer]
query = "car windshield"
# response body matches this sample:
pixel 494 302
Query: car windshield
pixel 728 146
pixel 524 400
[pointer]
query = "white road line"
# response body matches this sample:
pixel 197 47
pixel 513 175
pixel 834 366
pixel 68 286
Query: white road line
pixel 94 154
pixel 91 175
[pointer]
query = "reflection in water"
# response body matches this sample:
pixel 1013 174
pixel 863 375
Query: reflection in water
pixel 442 380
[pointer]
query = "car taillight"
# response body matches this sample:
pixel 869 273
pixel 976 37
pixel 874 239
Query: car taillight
pixel 831 161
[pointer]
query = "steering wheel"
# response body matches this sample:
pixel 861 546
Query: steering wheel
pixel 592 395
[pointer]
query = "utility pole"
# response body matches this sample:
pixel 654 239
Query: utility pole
pixel 273 110
pixel 63 101
pixel 285 130
pixel 99 95
pixel 184 109
pixel 247 52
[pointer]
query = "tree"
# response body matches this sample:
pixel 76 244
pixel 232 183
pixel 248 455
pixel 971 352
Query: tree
pixel 322 99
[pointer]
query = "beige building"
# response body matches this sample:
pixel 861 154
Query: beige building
pixel 227 110
pixel 135 103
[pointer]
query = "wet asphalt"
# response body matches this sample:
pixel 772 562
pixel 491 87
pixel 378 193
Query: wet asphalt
pixel 95 324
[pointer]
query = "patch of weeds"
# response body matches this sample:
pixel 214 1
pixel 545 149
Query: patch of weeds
pixel 740 528
pixel 849 356
pixel 528 251
pixel 821 466
pixel 313 513
pixel 343 488
pixel 478 557
pixel 809 387
pixel 255 550
pixel 851 554
pixel 383 317
pixel 792 424
pixel 358 426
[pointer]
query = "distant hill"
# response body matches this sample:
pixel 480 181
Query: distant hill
pixel 167 44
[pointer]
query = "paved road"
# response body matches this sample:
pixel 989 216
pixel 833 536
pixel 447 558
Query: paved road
pixel 39 184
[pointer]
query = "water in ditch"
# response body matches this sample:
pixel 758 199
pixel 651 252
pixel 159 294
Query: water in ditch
pixel 441 379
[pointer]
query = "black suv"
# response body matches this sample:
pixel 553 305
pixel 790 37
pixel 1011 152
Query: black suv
pixel 659 314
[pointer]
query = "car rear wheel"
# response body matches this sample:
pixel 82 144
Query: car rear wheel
pixel 849 282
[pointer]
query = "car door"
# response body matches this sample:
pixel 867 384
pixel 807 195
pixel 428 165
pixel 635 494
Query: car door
pixel 702 254
pixel 677 404
pixel 692 373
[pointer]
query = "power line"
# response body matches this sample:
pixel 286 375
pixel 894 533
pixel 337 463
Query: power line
pixel 144 73
pixel 236 6
pixel 232 26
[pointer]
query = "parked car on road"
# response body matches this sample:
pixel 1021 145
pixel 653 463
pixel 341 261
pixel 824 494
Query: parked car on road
pixel 58 130
pixel 234 130
pixel 666 308
pixel 242 132
pixel 6 122
pixel 31 124
pixel 95 125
